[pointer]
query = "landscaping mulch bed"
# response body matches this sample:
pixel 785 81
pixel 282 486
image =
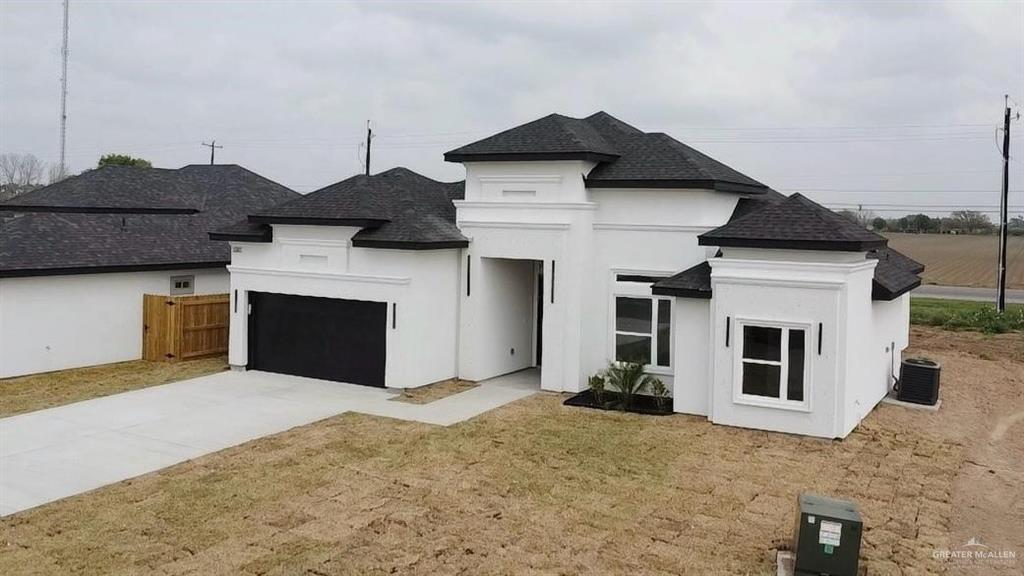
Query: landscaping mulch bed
pixel 641 403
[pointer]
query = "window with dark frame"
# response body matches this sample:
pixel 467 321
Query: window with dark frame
pixel 773 362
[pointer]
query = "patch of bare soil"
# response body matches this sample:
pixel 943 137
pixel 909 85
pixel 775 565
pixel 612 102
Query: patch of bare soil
pixel 38 391
pixel 982 409
pixel 540 488
pixel 436 391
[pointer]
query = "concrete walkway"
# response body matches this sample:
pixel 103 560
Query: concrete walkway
pixel 58 452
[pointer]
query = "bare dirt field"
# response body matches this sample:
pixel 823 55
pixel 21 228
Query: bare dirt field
pixel 436 391
pixel 539 488
pixel 962 260
pixel 38 391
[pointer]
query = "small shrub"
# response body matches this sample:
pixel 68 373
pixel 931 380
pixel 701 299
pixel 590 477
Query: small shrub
pixel 596 383
pixel 660 392
pixel 627 378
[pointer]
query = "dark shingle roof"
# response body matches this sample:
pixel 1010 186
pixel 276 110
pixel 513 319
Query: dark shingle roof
pixel 553 137
pixel 693 282
pixel 797 223
pixel 626 156
pixel 89 224
pixel 895 274
pixel 396 209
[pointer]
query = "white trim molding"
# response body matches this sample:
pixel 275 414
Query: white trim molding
pixel 513 225
pixel 650 227
pixel 521 179
pixel 526 205
pixel 398 280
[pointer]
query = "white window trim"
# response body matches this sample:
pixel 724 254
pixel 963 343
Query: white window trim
pixel 640 290
pixel 739 397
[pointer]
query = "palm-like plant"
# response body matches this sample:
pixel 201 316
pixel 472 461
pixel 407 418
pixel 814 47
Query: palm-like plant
pixel 597 387
pixel 660 392
pixel 628 379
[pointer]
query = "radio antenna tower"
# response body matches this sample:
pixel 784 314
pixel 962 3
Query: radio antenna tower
pixel 64 91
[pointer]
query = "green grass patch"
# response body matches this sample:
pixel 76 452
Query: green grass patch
pixel 966 315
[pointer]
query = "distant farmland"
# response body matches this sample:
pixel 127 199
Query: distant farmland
pixel 962 260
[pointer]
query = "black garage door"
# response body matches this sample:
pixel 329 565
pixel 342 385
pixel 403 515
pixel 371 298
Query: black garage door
pixel 327 338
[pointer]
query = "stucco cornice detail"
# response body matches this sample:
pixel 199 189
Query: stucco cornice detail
pixel 340 277
pixel 516 225
pixel 650 227
pixel 521 179
pixel 527 205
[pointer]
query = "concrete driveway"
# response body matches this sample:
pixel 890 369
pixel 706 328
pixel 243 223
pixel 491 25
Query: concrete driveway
pixel 58 452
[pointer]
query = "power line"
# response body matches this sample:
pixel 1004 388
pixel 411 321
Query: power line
pixel 846 127
pixel 213 149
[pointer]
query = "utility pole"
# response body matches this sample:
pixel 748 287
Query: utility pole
pixel 64 92
pixel 1003 209
pixel 369 136
pixel 213 148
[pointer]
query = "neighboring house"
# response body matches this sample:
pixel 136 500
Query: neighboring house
pixel 574 243
pixel 77 256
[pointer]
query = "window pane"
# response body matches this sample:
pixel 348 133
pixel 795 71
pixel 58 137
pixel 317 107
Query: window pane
pixel 761 379
pixel 664 331
pixel 795 385
pixel 762 343
pixel 633 348
pixel 633 315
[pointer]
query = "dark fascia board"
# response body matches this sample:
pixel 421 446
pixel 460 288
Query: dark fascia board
pixel 407 245
pixel 686 184
pixel 878 292
pixel 264 237
pixel 94 209
pixel 75 270
pixel 529 156
pixel 304 220
pixel 681 292
pixel 782 244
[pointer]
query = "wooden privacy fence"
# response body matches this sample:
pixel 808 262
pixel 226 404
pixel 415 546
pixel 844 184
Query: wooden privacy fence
pixel 183 327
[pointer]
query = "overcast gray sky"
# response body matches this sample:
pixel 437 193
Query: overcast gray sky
pixel 840 100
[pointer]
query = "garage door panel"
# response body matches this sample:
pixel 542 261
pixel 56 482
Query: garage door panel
pixel 327 338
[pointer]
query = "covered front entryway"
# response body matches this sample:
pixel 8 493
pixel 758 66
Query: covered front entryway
pixel 325 338
pixel 504 315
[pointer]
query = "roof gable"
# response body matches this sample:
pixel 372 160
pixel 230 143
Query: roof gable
pixel 397 208
pixel 128 218
pixel 553 137
pixel 627 157
pixel 794 223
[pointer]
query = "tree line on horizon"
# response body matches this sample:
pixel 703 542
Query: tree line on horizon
pixel 957 222
pixel 20 173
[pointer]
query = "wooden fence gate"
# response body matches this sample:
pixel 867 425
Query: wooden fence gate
pixel 183 327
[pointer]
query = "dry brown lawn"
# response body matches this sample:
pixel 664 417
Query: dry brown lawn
pixel 962 260
pixel 436 391
pixel 38 391
pixel 540 488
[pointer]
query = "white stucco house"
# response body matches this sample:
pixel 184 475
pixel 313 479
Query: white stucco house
pixel 77 256
pixel 573 243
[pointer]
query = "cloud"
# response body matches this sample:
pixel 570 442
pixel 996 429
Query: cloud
pixel 288 87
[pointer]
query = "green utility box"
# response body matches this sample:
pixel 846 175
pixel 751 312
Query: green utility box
pixel 827 536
